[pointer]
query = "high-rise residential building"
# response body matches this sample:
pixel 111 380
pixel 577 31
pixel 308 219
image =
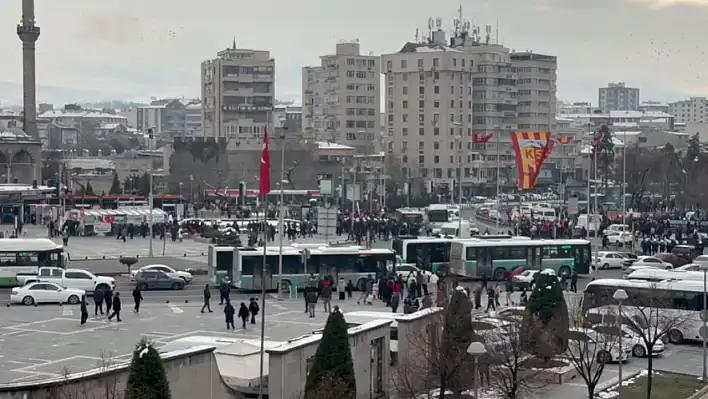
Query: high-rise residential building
pixel 618 97
pixel 428 94
pixel 574 108
pixel 693 110
pixel 238 87
pixel 536 82
pixel 341 98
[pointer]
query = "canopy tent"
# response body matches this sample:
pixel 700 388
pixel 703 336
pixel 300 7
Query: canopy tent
pixel 131 215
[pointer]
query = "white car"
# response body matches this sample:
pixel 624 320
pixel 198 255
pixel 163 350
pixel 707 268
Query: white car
pixel 631 338
pixel 609 260
pixel 619 238
pixel 186 276
pixel 691 267
pixel 45 292
pixel 651 261
pixel 588 342
pixel 525 278
pixel 701 260
pixel 408 271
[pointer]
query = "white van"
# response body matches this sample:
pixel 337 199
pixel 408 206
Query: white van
pixel 452 229
pixel 591 223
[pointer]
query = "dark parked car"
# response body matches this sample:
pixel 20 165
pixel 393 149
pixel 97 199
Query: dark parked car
pixel 157 280
pixel 674 259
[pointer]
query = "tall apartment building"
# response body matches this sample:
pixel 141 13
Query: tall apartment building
pixel 618 97
pixel 341 98
pixel 238 87
pixel 536 82
pixel 429 109
pixel 693 110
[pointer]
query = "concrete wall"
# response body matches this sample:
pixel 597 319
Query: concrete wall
pixel 417 338
pixel 289 364
pixel 191 373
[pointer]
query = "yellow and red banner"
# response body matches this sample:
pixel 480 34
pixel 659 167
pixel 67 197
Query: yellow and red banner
pixel 564 139
pixel 532 149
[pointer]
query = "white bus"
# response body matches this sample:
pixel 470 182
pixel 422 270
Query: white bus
pixel 678 305
pixel 656 275
pixel 23 256
pixel 494 258
pixel 245 265
pixel 438 214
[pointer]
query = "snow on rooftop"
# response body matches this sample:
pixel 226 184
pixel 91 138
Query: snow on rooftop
pixel 79 114
pixel 324 145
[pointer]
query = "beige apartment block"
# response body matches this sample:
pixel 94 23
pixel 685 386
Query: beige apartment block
pixel 238 87
pixel 341 98
pixel 429 113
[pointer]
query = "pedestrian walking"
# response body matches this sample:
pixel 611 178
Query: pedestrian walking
pixel 84 310
pixel 243 313
pixel 326 295
pixel 342 288
pixel 350 289
pixel 311 299
pixel 224 290
pixel 491 300
pixel 116 307
pixel 137 298
pixel 229 313
pixel 574 281
pixel 368 287
pixel 98 301
pixel 207 299
pixel 253 308
pixel 108 299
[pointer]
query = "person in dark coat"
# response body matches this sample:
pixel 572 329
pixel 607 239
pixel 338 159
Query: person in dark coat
pixel 229 312
pixel 207 299
pixel 253 308
pixel 137 298
pixel 311 299
pixel 116 308
pixel 224 291
pixel 108 298
pixel 243 313
pixel 395 301
pixel 84 310
pixel 98 301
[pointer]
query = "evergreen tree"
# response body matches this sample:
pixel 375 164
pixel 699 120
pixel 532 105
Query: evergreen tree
pixel 546 322
pixel 457 335
pixel 115 186
pixel 88 190
pixel 144 185
pixel 333 359
pixel 146 378
pixel 694 148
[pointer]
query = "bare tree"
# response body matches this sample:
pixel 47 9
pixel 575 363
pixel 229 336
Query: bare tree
pixel 437 363
pixel 106 385
pixel 655 315
pixel 589 350
pixel 513 372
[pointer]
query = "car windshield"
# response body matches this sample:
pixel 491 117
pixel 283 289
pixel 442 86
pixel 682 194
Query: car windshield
pixel 701 258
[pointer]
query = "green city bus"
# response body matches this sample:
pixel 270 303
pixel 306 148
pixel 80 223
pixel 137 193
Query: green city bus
pixel 494 258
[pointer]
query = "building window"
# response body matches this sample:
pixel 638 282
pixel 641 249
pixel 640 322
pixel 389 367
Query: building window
pixel 436 89
pixel 404 64
pixel 420 63
pixel 421 131
pixel 405 104
pixel 436 159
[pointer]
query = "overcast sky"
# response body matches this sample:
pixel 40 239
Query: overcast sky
pixel 123 49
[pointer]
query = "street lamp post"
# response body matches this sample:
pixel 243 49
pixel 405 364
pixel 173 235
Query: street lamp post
pixel 498 139
pixel 281 211
pixel 476 349
pixel 150 197
pixel 621 295
pixel 181 189
pixel 458 145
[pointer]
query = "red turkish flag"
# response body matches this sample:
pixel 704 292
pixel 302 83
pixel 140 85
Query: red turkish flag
pixel 264 179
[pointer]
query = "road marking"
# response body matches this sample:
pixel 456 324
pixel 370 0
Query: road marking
pixel 175 309
pixel 67 312
pixel 279 307
pixel 282 313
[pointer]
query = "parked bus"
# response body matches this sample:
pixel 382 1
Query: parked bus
pixel 438 214
pixel 351 263
pixel 678 304
pixel 494 258
pixel 410 249
pixel 23 256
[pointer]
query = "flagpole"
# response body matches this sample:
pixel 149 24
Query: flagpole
pixel 263 190
pixel 261 391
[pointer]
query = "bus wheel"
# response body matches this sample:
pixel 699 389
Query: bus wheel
pixel 675 336
pixel 285 287
pixel 564 271
pixel 499 274
pixel 361 285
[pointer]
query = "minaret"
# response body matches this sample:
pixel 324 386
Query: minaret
pixel 29 33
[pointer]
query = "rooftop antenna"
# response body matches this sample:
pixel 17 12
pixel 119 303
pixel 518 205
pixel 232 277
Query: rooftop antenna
pixel 438 23
pixel 234 44
pixel 496 35
pixel 417 35
pixel 488 31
